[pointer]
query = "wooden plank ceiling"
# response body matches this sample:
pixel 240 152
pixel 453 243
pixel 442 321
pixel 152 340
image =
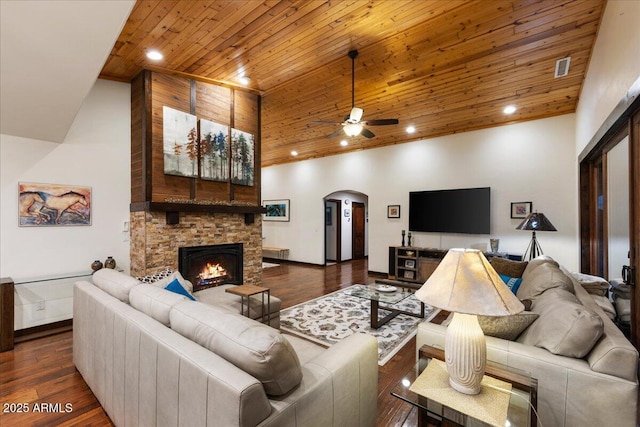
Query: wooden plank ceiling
pixel 443 66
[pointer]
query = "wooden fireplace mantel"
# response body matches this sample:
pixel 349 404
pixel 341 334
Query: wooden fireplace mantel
pixel 195 207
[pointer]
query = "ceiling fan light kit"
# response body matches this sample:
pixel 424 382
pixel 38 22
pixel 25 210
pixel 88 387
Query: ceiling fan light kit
pixel 352 129
pixel 353 124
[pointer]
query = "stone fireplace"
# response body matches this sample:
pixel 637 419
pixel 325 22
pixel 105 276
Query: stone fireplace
pixel 156 245
pixel 211 265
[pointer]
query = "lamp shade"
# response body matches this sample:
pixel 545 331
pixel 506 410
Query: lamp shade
pixel 465 282
pixel 536 221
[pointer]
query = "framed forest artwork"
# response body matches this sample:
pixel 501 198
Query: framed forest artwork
pixel 242 157
pixel 180 143
pixel 214 151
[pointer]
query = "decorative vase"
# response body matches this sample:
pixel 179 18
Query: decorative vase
pixel 495 243
pixel 96 265
pixel 110 262
pixel 403 238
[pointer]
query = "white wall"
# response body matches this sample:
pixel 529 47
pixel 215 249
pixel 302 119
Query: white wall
pixel 95 153
pixel 613 68
pixel 532 161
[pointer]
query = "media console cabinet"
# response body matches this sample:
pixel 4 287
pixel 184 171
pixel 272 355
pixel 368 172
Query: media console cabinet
pixel 415 265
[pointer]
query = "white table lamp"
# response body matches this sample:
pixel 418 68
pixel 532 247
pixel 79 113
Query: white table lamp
pixel 465 284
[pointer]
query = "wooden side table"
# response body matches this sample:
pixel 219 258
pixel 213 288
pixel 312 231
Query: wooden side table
pixel 247 291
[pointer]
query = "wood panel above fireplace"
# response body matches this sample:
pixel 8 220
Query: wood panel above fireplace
pixel 151 188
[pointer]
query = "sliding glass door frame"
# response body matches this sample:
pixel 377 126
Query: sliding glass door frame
pixel 623 122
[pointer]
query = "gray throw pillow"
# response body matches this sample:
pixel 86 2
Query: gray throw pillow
pixel 506 327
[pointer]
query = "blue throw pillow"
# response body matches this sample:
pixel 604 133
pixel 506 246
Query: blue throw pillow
pixel 176 287
pixel 512 283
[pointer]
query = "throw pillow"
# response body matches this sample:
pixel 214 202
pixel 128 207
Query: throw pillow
pixel 176 287
pixel 565 326
pixel 175 275
pixel 506 327
pixel 512 283
pixel 508 267
pixel 152 278
pixel 593 284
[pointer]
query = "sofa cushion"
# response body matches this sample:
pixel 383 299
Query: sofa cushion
pixel 257 349
pixel 546 276
pixel 537 262
pixel 162 283
pixel 154 301
pixel 508 267
pixel 115 283
pixel 565 326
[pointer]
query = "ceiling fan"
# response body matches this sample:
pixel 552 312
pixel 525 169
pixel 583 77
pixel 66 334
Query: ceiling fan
pixel 353 124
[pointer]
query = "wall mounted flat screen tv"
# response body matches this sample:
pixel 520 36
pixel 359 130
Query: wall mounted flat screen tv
pixel 466 210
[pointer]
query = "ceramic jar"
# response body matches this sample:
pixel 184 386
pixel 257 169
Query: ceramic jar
pixel 110 262
pixel 96 265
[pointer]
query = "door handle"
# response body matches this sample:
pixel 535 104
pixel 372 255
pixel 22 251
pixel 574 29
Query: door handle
pixel 629 275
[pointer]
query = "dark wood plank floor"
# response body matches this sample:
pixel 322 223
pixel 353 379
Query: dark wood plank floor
pixel 39 375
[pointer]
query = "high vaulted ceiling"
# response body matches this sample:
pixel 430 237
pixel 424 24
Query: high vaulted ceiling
pixel 443 66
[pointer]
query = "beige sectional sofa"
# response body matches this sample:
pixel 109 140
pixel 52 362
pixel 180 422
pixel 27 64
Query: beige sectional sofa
pixel 154 357
pixel 585 367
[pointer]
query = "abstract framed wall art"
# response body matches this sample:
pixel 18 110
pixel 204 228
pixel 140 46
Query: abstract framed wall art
pixel 520 209
pixel 214 151
pixel 41 205
pixel 277 210
pixel 242 157
pixel 179 142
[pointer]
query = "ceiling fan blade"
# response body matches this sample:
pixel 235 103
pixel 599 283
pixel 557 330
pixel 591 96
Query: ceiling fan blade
pixel 382 122
pixel 367 133
pixel 356 114
pixel 336 133
pixel 324 122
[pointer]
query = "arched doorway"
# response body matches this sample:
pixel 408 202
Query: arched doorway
pixel 346 226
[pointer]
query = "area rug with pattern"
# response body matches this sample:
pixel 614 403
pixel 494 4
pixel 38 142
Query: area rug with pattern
pixel 333 317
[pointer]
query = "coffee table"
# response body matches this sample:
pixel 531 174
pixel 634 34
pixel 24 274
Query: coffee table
pixel 372 293
pixel 522 404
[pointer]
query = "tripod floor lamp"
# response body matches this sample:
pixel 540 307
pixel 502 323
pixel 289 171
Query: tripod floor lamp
pixel 536 221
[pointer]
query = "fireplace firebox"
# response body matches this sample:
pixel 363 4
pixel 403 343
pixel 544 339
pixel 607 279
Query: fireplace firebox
pixel 212 265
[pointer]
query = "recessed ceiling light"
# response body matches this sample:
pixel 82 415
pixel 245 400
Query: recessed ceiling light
pixel 344 143
pixel 245 80
pixel 294 153
pixel 154 55
pixel 411 129
pixel 509 109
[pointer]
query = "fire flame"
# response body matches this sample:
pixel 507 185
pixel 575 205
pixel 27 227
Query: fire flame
pixel 211 271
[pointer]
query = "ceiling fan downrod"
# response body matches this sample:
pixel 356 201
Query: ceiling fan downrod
pixel 353 54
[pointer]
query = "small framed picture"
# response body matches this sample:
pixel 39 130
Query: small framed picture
pixel 277 210
pixel 410 263
pixel 520 209
pixel 408 274
pixel 393 211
